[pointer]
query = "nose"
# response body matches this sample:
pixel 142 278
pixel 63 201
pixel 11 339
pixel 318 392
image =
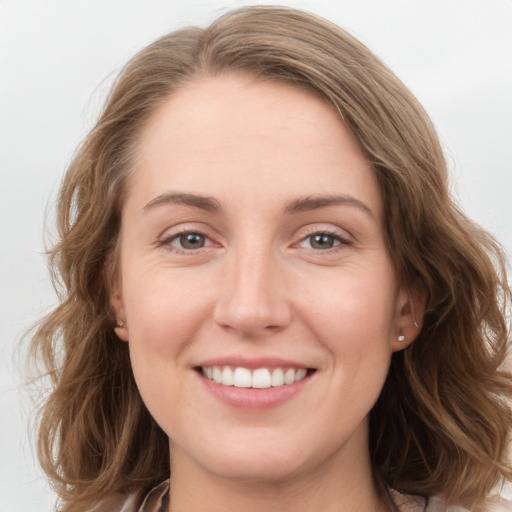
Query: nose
pixel 252 301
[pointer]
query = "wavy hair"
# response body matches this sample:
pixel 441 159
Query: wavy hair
pixel 442 422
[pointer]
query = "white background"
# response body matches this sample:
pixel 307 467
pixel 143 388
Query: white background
pixel 57 59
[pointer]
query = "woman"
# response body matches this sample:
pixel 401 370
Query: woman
pixel 269 294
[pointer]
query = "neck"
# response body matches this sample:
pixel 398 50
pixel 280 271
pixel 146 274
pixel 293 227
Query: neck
pixel 333 487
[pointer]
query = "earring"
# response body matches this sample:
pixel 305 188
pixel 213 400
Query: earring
pixel 401 337
pixel 121 330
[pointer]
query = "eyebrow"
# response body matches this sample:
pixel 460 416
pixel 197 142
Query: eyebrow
pixel 308 203
pixel 301 204
pixel 206 203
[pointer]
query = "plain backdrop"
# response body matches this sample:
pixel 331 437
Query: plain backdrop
pixel 57 59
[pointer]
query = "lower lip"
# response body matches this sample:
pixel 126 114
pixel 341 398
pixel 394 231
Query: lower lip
pixel 252 398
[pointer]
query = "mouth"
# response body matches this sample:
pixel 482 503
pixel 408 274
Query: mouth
pixel 259 378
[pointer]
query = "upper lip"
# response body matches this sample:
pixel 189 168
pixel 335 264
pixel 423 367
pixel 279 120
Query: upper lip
pixel 252 363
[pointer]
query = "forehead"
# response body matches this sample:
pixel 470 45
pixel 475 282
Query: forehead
pixel 233 133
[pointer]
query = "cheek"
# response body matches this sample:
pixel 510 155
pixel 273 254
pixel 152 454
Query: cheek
pixel 354 321
pixel 163 316
pixel 163 307
pixel 356 304
pixel 162 324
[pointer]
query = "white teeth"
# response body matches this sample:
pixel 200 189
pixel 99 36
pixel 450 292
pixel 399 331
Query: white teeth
pixel 242 378
pixel 300 374
pixel 260 378
pixel 227 376
pixel 217 375
pixel 277 377
pixel 289 376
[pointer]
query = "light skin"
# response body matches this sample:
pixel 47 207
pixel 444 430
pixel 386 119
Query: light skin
pixel 253 231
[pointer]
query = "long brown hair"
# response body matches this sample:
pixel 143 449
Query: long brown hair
pixel 442 422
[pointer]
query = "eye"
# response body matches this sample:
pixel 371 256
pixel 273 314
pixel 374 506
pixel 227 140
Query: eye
pixel 188 241
pixel 322 241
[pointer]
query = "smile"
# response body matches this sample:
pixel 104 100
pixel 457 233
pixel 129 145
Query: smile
pixel 259 378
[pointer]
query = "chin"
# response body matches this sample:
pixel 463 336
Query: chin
pixel 246 461
pixel 259 470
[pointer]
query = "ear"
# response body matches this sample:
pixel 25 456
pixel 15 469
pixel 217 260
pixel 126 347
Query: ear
pixel 410 311
pixel 117 304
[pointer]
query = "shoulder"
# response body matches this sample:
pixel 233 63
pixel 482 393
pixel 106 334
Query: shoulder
pixel 436 504
pixel 117 503
pixel 155 501
pixel 499 501
pixel 408 502
pixel 495 503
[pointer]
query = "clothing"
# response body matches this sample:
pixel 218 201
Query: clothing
pixel 158 498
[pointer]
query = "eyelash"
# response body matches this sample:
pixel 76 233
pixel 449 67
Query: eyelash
pixel 339 242
pixel 167 242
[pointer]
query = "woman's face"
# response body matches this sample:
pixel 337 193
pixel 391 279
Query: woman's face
pixel 253 253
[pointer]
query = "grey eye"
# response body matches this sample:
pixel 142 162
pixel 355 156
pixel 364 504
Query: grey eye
pixel 322 241
pixel 191 241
